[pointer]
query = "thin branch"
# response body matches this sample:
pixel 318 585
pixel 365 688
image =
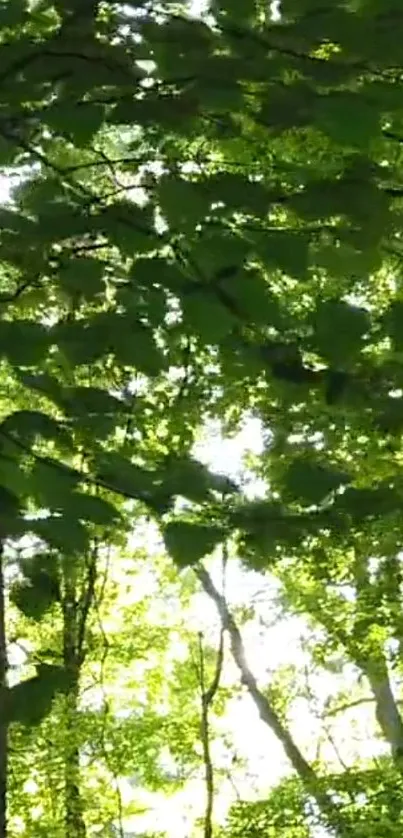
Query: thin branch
pixel 86 601
pixel 28 284
pixel 342 708
pixel 205 737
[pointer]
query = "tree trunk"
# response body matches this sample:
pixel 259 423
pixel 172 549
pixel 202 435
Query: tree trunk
pixel 374 664
pixel 330 811
pixel 3 688
pixel 74 821
pixel 387 712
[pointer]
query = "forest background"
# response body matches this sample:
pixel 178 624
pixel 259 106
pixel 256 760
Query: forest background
pixel 201 369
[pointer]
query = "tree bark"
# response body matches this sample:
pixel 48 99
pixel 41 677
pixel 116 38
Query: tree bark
pixel 387 712
pixel 207 698
pixel 3 689
pixel 374 664
pixel 329 810
pixel 74 820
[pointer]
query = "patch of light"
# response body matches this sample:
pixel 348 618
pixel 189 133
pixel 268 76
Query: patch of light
pixel 30 787
pixel 199 9
pixel 226 455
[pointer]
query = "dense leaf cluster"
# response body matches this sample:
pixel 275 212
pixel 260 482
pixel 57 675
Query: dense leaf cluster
pixel 205 219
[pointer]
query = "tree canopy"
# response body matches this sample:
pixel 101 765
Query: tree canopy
pixel 201 220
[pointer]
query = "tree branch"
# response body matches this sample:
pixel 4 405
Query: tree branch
pixel 330 811
pixel 207 697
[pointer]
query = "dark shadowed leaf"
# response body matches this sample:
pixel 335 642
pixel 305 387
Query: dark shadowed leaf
pixel 339 330
pixel 189 542
pixel 34 597
pixel 208 317
pixel 51 482
pixel 79 123
pixel 82 276
pixel 30 701
pixel 90 508
pixel 311 482
pixel 23 342
pixel 27 425
pixel 63 533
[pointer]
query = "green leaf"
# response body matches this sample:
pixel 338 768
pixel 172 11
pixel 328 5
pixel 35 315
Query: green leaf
pixel 207 317
pixel 23 342
pixel 339 330
pixel 36 596
pixel 252 297
pixel 122 476
pixel 12 14
pixel 348 262
pixel 93 409
pixel 51 482
pixel 10 502
pixel 79 122
pixel 31 700
pixel 44 384
pixel 63 533
pixel 239 193
pixel 286 250
pixel 214 253
pixel 93 509
pixel 191 479
pixel 184 204
pixel 82 342
pixel 311 482
pixel 264 526
pixel 219 96
pixel 363 504
pixel 27 425
pixel 38 564
pixel 123 222
pixel 157 270
pixel 347 118
pixel 134 345
pixel 108 333
pixel 83 276
pixel 390 419
pixel 288 106
pixel 189 542
pixel 393 321
pixel 354 196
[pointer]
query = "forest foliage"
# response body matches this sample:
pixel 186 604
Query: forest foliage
pixel 202 221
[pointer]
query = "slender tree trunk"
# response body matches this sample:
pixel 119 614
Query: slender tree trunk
pixel 387 712
pixel 330 811
pixel 3 688
pixel 207 697
pixel 374 664
pixel 74 821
